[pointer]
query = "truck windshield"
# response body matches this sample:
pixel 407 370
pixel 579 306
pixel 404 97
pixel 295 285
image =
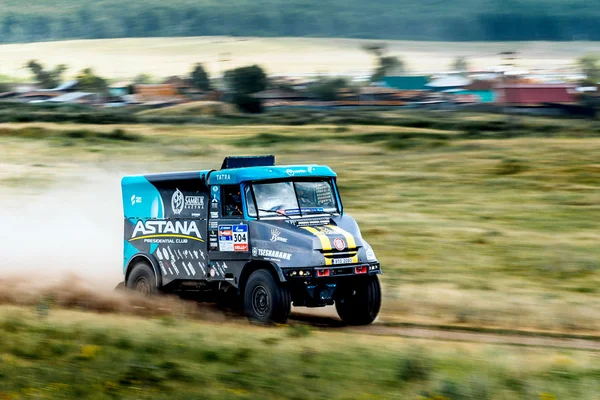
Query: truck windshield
pixel 294 198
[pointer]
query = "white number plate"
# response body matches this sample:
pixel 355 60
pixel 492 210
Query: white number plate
pixel 337 261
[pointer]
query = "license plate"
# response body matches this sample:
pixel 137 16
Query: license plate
pixel 337 261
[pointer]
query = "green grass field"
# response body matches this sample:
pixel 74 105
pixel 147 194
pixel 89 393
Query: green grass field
pixel 161 57
pixel 475 224
pixel 67 354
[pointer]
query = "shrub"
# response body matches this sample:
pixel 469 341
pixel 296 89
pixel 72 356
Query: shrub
pixel 248 104
pixel 413 366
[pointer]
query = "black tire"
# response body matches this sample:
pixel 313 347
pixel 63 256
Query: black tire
pixel 359 301
pixel 265 299
pixel 142 280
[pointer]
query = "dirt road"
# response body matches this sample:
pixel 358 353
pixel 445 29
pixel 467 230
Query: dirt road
pixel 326 318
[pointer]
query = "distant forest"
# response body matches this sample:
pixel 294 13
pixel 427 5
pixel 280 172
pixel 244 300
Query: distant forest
pixel 442 20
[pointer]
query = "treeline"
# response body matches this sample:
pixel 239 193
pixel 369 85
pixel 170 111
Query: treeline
pixel 459 20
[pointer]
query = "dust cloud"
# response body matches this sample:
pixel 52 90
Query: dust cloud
pixel 64 247
pixel 71 229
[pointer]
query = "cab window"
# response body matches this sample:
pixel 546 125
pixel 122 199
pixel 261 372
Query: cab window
pixel 232 201
pixel 250 202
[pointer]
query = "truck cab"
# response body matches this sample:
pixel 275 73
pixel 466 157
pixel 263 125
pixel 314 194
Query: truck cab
pixel 274 235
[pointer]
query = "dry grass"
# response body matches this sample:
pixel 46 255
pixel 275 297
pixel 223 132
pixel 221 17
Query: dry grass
pixel 497 232
pixel 195 108
pixel 125 58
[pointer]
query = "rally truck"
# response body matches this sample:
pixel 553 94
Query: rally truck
pixel 275 236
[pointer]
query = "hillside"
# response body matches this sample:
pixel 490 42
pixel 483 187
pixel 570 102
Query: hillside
pixel 461 20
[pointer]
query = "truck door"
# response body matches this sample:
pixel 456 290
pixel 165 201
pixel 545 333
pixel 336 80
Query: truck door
pixel 228 234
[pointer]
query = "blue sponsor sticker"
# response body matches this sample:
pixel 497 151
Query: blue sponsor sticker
pixel 240 228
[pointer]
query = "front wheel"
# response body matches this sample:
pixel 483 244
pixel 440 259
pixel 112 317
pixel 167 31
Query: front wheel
pixel 359 300
pixel 265 299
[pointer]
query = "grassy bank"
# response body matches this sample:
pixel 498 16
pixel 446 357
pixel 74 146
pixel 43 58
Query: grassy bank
pixel 476 222
pixel 68 354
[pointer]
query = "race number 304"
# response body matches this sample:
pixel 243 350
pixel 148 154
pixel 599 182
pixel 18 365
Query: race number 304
pixel 240 237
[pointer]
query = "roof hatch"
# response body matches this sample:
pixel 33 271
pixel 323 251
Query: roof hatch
pixel 248 161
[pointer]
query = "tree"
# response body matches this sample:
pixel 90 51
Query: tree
pixel 200 78
pixel 590 66
pixel 386 64
pixel 142 79
pixel 460 64
pixel 326 89
pixel 246 80
pixel 48 79
pixel 91 82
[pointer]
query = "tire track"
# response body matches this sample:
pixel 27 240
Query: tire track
pixel 324 319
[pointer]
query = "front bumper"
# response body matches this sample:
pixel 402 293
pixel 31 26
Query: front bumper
pixel 317 286
pixel 332 271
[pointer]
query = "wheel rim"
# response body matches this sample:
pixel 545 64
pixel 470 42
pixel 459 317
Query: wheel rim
pixel 261 303
pixel 142 285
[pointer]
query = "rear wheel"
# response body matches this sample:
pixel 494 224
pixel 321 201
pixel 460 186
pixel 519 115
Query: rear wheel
pixel 265 299
pixel 358 301
pixel 142 280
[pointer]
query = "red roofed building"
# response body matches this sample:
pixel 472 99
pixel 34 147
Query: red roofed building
pixel 532 94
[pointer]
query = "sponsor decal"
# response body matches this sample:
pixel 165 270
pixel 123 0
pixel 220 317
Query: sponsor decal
pixel 194 202
pixel 326 230
pixel 233 237
pixel 171 254
pixel 313 209
pixel 202 268
pixel 213 225
pixel 223 177
pixel 164 231
pixel 371 255
pixel 214 198
pixel 162 267
pixel 175 267
pixel 159 254
pixel 135 200
pixel 191 267
pixel 187 271
pixel 339 244
pixel 214 214
pixel 212 272
pixel 177 202
pixel 169 267
pixel 292 172
pixel 268 253
pixel 225 238
pixel 276 236
pixel 240 237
